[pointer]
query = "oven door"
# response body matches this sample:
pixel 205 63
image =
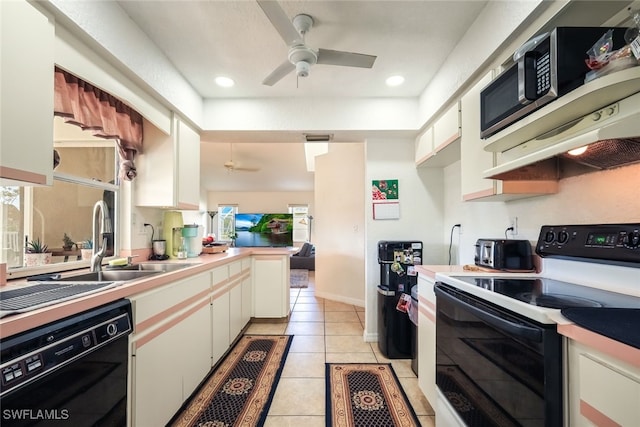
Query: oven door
pixel 494 367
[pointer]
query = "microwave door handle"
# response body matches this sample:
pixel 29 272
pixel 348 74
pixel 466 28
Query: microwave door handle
pixel 513 329
pixel 527 78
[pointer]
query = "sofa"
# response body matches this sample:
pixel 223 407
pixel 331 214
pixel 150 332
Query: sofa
pixel 304 259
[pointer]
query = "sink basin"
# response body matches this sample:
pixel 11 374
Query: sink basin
pixel 110 275
pixel 164 266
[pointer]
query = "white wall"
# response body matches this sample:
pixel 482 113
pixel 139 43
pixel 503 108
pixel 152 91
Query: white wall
pixel 339 224
pixel 598 197
pixel 421 212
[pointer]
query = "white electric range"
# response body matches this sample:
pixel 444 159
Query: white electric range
pixel 498 353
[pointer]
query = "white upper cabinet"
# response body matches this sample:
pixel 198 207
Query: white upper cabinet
pixel 439 145
pixel 475 160
pixel 26 84
pixel 169 167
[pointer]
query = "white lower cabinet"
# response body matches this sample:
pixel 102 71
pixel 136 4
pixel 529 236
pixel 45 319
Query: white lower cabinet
pixel 602 389
pixel 235 310
pixel 170 348
pixel 427 339
pixel 270 276
pixel 219 326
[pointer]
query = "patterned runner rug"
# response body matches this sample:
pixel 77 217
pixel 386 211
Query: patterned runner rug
pixel 366 395
pixel 240 390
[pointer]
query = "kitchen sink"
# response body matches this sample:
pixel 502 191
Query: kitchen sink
pixel 164 266
pixel 110 275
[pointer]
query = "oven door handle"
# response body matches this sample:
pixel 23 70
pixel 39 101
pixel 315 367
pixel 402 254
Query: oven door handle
pixel 514 329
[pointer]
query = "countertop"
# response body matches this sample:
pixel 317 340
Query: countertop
pixel 17 323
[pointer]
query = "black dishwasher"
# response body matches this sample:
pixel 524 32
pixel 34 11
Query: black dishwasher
pixel 69 372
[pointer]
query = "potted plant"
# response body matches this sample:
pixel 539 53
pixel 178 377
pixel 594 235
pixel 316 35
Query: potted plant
pixel 87 249
pixel 67 243
pixel 37 254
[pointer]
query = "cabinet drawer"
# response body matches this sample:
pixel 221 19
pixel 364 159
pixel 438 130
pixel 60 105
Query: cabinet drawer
pixel 170 298
pixel 608 396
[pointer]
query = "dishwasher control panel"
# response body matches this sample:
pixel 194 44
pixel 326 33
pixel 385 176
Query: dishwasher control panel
pixel 40 353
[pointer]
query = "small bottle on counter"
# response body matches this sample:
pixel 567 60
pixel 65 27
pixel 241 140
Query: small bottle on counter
pixel 182 249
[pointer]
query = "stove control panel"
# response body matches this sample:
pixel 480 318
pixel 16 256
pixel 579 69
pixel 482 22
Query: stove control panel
pixel 606 242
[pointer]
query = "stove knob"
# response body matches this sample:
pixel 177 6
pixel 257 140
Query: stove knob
pixel 563 237
pixel 549 236
pixel 632 240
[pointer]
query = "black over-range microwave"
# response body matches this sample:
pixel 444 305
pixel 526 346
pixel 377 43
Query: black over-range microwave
pixel 549 66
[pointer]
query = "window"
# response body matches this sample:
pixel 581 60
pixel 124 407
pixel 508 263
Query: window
pixel 85 175
pixel 226 222
pixel 301 223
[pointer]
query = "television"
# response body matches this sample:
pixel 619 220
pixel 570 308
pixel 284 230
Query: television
pixel 264 230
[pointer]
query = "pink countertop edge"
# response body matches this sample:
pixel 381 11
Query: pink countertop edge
pixel 14 324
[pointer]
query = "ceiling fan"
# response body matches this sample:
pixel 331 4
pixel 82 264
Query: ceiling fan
pixel 302 57
pixel 232 166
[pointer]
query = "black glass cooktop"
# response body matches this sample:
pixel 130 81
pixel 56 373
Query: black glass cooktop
pixel 551 293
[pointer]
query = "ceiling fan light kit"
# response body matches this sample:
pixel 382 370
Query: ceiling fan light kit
pixel 300 56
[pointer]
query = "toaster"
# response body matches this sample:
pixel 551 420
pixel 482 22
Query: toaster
pixel 504 254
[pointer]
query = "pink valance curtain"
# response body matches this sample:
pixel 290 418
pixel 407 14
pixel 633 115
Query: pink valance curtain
pixel 84 105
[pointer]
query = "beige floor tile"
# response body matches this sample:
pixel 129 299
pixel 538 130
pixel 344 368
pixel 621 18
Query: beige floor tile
pixel 361 316
pixel 420 403
pixel 310 299
pixel 294 421
pixel 307 344
pixel 299 396
pixel 402 368
pixel 341 316
pixel 367 357
pixel 346 344
pixel 307 316
pixel 346 328
pixel 305 328
pixel 266 328
pixel 304 365
pixel 308 307
pixel 425 420
pixel 337 306
pixel 359 309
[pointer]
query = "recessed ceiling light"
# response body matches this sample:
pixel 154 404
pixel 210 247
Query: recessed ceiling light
pixel 224 82
pixel 395 81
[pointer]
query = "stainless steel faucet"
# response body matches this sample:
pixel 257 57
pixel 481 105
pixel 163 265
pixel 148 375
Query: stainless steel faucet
pixel 101 227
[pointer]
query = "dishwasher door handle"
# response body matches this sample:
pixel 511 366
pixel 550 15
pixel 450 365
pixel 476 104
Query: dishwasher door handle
pixel 509 327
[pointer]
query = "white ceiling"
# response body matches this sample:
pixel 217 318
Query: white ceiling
pixel 206 39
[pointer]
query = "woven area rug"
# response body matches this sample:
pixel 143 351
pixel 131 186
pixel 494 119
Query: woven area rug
pixel 366 395
pixel 240 390
pixel 298 278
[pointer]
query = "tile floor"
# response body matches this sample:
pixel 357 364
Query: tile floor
pixel 326 331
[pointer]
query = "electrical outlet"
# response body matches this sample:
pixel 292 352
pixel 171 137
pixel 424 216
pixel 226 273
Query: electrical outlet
pixel 513 223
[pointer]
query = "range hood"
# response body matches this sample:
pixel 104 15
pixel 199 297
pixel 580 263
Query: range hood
pixel 611 135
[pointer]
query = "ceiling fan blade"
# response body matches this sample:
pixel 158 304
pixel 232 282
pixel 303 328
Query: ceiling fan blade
pixel 347 59
pixel 243 169
pixel 280 21
pixel 277 74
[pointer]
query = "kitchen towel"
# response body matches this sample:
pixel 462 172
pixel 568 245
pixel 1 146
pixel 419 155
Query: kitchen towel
pixel 240 390
pixel 366 395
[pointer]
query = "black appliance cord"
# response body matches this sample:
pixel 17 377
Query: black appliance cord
pixel 451 241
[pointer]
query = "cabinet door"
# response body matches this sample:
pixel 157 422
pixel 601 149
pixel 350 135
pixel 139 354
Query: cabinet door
pixel 235 311
pixel 26 104
pixel 474 159
pixel 602 390
pixel 442 140
pixel 246 301
pixel 220 325
pixel 427 339
pixel 270 278
pixel 169 167
pixel 424 146
pixel 195 348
